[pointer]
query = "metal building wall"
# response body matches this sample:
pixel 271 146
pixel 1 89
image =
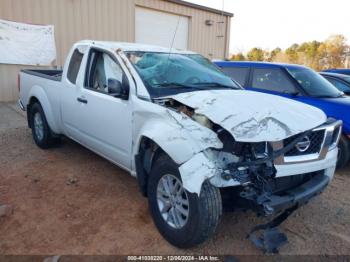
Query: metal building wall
pixel 112 20
pixel 210 41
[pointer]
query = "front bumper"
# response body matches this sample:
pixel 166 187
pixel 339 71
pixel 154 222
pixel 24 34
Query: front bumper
pixel 294 197
pixel 327 166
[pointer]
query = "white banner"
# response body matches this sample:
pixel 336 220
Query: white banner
pixel 26 44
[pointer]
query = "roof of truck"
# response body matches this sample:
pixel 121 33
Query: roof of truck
pixel 124 46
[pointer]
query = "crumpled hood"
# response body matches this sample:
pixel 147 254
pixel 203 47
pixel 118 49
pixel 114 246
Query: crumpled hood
pixel 251 116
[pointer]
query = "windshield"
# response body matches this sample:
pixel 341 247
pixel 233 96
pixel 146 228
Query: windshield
pixel 347 79
pixel 167 74
pixel 343 86
pixel 313 83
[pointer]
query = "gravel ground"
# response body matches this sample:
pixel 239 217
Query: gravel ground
pixel 68 200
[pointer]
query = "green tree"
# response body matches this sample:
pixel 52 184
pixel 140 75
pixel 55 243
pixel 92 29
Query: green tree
pixel 256 54
pixel 308 54
pixel 273 54
pixel 292 53
pixel 238 57
pixel 332 52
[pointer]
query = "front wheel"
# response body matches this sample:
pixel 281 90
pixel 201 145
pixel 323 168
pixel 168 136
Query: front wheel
pixel 184 219
pixel 344 151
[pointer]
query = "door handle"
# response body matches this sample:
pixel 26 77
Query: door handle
pixel 82 100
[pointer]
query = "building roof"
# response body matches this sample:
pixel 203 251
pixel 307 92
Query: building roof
pixel 201 7
pixel 124 46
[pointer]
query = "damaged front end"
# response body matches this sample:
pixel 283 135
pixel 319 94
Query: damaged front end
pixel 273 177
pixel 257 167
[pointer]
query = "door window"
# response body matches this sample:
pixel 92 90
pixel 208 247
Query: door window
pixel 74 66
pixel 101 68
pixel 272 80
pixel 239 74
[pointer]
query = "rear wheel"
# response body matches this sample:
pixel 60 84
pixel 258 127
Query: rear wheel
pixel 344 152
pixel 184 219
pixel 42 134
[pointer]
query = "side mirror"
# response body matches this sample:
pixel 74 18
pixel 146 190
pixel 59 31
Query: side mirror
pixel 116 89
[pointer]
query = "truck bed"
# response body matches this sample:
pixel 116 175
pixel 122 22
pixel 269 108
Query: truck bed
pixel 44 85
pixel 55 75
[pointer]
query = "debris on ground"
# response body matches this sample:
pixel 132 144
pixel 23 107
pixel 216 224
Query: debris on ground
pixel 52 259
pixel 6 210
pixel 72 181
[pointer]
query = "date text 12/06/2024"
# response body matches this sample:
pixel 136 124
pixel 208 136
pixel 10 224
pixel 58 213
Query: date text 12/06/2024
pixel 177 258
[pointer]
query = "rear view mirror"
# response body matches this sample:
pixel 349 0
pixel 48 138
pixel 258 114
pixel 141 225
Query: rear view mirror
pixel 116 89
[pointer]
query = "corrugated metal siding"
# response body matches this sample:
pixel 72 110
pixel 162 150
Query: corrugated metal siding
pixel 207 40
pixel 112 20
pixel 74 20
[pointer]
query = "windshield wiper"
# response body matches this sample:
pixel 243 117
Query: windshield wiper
pixel 197 86
pixel 214 84
pixel 166 84
pixel 291 93
pixel 179 85
pixel 340 95
pixel 329 96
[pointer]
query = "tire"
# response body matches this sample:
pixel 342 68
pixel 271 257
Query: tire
pixel 344 152
pixel 42 134
pixel 204 212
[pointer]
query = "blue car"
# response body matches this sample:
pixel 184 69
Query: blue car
pixel 298 83
pixel 343 71
pixel 341 82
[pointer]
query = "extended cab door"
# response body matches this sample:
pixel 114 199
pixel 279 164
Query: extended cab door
pixel 73 73
pixel 104 121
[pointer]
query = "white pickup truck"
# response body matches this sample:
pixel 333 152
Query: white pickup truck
pixel 193 138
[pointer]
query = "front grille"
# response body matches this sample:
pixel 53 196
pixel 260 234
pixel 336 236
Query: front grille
pixel 315 138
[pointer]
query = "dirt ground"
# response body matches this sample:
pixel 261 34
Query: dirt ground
pixel 68 200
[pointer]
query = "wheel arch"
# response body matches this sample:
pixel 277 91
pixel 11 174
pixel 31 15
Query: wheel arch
pixel 32 100
pixel 148 151
pixel 38 95
pixel 156 137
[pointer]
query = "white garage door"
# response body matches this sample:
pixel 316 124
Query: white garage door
pixel 158 28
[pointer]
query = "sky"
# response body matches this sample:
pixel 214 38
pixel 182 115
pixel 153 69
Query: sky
pixel 280 23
